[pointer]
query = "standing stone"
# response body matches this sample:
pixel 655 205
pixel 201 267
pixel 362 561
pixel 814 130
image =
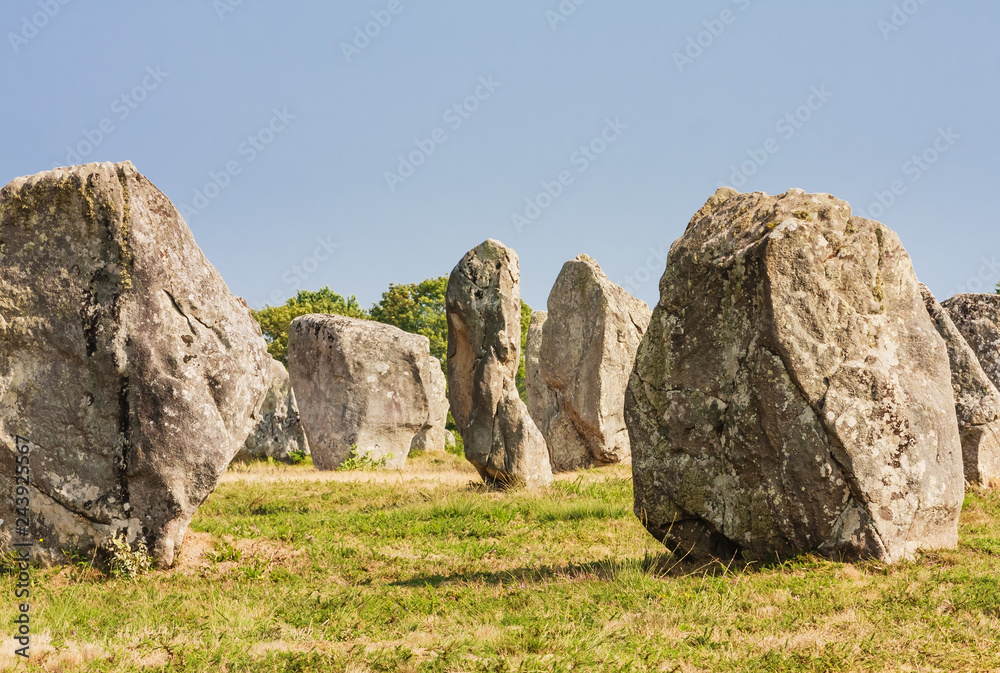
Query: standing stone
pixel 792 393
pixel 434 436
pixel 541 400
pixel 125 362
pixel 483 304
pixel 361 386
pixel 977 401
pixel 587 352
pixel 977 317
pixel 277 432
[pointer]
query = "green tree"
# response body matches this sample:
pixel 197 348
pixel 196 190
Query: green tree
pixel 417 308
pixel 526 312
pixel 275 320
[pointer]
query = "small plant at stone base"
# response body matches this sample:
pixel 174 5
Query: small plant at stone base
pixel 125 561
pixel 356 461
pixel 297 457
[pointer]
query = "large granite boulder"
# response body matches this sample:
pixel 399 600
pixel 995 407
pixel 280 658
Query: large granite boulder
pixel 361 386
pixel 587 351
pixel 277 431
pixel 792 393
pixel 433 436
pixel 483 304
pixel 977 401
pixel 125 361
pixel 977 317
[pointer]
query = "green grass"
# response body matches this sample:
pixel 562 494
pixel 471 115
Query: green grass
pixel 412 575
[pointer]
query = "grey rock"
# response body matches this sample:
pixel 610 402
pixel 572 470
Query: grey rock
pixel 977 317
pixel 359 383
pixel 483 304
pixel 977 401
pixel 277 431
pixel 791 393
pixel 433 436
pixel 541 400
pixel 587 351
pixel 125 361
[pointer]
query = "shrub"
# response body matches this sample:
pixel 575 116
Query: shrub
pixel 125 561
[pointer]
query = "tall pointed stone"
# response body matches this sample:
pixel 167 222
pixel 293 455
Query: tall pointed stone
pixel 588 345
pixel 484 343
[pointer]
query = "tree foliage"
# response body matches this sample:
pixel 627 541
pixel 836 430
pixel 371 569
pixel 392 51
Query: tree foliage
pixel 275 320
pixel 417 308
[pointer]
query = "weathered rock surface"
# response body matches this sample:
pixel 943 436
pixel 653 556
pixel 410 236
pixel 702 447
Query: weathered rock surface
pixel 125 361
pixel 541 399
pixel 277 431
pixel 977 401
pixel 977 317
pixel 359 383
pixel 587 351
pixel 791 393
pixel 434 436
pixel 484 343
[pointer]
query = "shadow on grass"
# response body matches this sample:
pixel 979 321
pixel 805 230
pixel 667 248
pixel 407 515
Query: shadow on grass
pixel 655 566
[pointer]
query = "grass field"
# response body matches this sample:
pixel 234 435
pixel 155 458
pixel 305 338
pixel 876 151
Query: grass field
pixel 285 569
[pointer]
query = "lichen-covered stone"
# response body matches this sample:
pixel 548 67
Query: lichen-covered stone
pixel 977 317
pixel 483 304
pixel 587 349
pixel 124 360
pixel 361 385
pixel 791 393
pixel 977 401
pixel 277 431
pixel 434 435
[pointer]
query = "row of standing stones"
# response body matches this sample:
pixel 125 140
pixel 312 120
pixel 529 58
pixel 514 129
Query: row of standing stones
pixel 795 389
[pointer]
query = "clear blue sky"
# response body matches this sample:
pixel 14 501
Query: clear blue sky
pixel 189 89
